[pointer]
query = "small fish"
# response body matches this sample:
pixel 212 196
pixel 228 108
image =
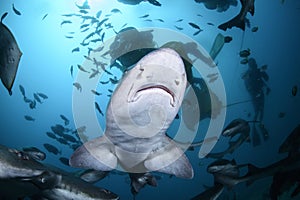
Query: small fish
pixel 144 16
pixel 115 10
pixel 254 29
pixel 114 80
pixel 179 20
pixel 87 57
pixel 44 16
pixel 69 37
pixel 244 61
pixel 103 82
pixel 147 20
pixel 67 15
pixel 26 100
pixel 66 120
pixel 71 70
pixel 34 153
pixel 244 53
pixel 294 90
pixel 83 11
pixel 98 14
pixel 160 20
pixel 102 37
pixel 52 149
pixel 102 22
pixel 82 69
pixel 84 26
pixel 194 25
pixel 179 28
pixel 84 44
pixel 95 92
pixel 96 40
pixel 123 25
pixel 98 108
pixel 227 39
pixel 37 98
pixel 64 161
pixel 94 74
pixel 62 141
pixel 109 90
pixel 32 104
pixel 89 36
pixel 75 50
pixel 29 118
pixel 22 90
pixel 78 86
pixel 65 22
pixel 51 135
pixel 199 15
pixel 84 30
pixel 197 32
pixel 15 10
pixel 209 23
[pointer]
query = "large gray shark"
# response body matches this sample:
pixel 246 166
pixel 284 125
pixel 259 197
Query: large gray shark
pixel 140 111
pixel 10 55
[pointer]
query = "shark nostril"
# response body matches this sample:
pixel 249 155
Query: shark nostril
pixel 177 82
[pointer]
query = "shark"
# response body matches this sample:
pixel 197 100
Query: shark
pixel 255 173
pixel 22 176
pixel 140 110
pixel 237 126
pixel 240 20
pixel 10 55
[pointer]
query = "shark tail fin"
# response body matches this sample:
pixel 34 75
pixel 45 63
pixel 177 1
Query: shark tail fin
pixel 170 160
pixel 97 154
pixel 237 21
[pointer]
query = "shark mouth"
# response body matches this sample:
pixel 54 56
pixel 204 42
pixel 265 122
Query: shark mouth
pixel 154 88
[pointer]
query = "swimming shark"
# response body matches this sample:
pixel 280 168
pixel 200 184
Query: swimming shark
pixel 10 55
pixel 237 126
pixel 254 173
pixel 22 176
pixel 240 20
pixel 140 111
pixel 73 188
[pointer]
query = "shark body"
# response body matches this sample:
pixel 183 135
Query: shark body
pixel 140 111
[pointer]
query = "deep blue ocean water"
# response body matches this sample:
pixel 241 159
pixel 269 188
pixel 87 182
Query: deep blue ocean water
pixel 47 57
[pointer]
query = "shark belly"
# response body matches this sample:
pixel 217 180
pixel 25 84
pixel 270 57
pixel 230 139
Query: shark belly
pixel 140 111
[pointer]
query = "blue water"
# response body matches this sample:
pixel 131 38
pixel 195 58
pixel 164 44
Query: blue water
pixel 47 58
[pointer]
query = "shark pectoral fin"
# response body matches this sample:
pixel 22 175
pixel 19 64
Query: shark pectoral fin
pixel 171 161
pixel 96 154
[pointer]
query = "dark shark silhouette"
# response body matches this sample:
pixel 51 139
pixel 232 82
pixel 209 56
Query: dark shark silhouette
pixel 10 55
